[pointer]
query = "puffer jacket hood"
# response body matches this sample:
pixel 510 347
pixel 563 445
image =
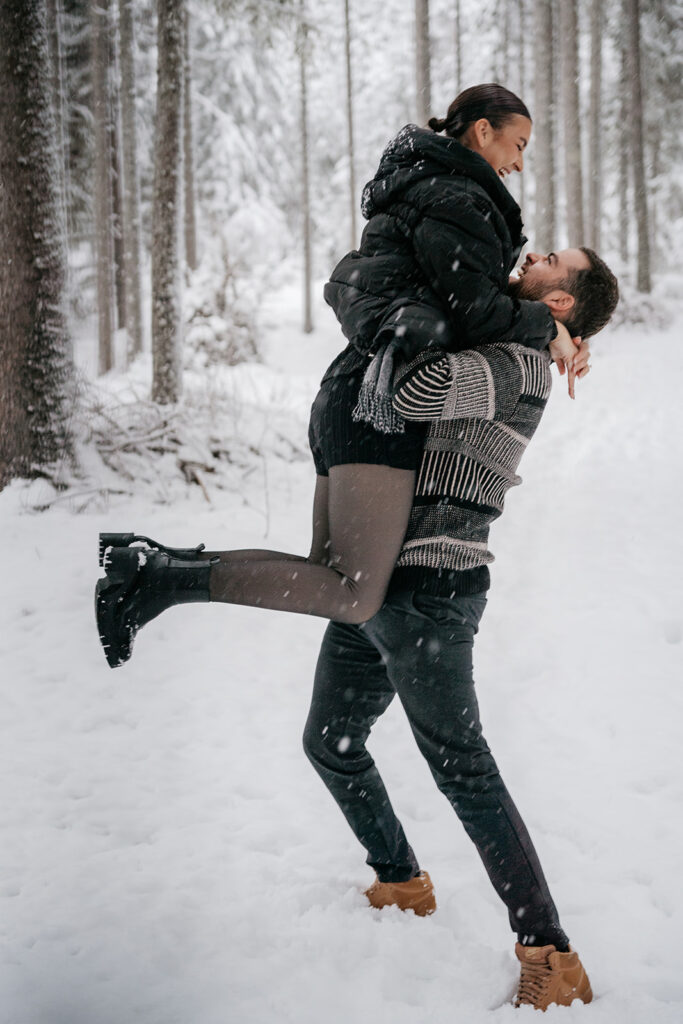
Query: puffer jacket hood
pixel 419 153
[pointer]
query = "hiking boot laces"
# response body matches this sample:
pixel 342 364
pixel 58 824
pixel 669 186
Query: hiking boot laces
pixel 533 984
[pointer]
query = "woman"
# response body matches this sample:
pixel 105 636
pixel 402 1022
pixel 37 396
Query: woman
pixel 442 237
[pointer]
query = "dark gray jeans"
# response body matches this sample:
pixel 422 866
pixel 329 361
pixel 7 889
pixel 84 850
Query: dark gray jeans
pixel 420 648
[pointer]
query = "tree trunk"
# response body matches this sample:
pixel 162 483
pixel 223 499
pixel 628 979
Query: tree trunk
pixel 643 281
pixel 571 119
pixel 457 23
pixel 116 175
pixel 58 92
pixel 517 185
pixel 167 205
pixel 131 182
pixel 101 107
pixel 544 142
pixel 349 114
pixel 188 150
pixel 504 26
pixel 595 129
pixel 624 145
pixel 35 353
pixel 423 87
pixel 305 185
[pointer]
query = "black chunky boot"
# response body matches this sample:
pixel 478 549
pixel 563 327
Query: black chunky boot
pixel 125 540
pixel 140 584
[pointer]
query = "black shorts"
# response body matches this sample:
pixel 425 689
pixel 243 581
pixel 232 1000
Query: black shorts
pixel 337 440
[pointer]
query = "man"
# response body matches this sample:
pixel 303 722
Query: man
pixel 483 406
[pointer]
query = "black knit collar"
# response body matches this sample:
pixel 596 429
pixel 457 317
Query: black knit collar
pixel 416 153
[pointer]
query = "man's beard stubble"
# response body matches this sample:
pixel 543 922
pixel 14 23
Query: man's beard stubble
pixel 522 288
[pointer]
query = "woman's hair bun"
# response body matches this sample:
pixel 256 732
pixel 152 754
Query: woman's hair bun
pixel 437 124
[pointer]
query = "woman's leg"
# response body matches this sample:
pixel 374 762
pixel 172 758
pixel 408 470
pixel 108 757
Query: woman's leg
pixel 360 515
pixel 360 518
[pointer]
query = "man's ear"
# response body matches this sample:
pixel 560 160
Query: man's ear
pixel 559 301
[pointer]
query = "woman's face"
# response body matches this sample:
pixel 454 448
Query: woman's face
pixel 504 148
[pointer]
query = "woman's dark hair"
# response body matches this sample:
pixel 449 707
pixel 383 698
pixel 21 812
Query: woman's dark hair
pixel 497 104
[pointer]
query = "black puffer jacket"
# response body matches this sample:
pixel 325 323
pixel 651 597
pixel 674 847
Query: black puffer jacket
pixel 442 237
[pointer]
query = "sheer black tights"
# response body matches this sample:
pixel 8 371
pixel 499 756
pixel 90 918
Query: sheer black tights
pixel 360 515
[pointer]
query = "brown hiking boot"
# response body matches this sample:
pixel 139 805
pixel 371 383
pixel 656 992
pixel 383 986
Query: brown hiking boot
pixel 417 894
pixel 550 977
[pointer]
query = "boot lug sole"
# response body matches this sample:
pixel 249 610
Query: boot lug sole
pixel 121 569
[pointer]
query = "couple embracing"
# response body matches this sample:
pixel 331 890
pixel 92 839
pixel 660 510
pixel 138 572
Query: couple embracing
pixel 417 432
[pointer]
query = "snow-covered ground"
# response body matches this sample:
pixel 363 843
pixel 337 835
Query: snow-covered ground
pixel 168 855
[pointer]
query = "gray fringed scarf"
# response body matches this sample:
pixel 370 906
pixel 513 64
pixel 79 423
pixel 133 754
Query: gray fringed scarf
pixel 376 391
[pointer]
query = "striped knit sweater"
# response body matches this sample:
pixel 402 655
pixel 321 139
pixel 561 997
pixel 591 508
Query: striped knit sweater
pixel 483 406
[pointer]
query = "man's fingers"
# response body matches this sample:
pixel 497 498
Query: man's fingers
pixel 571 381
pixel 583 354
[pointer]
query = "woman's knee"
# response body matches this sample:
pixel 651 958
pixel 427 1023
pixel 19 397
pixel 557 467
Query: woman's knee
pixel 364 601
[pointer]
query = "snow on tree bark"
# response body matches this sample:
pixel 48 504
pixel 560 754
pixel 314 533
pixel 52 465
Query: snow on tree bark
pixel 457 47
pixel 349 118
pixel 116 175
pixel 423 87
pixel 167 206
pixel 571 120
pixel 303 45
pixel 595 128
pixel 35 352
pixel 632 11
pixel 188 153
pixel 54 34
pixel 131 181
pixel 522 57
pixel 104 246
pixel 544 142
pixel 624 143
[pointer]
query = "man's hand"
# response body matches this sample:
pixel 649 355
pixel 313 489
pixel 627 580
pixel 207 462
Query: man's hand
pixel 570 354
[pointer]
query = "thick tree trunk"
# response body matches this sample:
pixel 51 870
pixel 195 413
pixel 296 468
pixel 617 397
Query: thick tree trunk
pixel 35 353
pixel 571 119
pixel 104 248
pixel 305 183
pixel 349 116
pixel 544 142
pixel 167 205
pixel 593 234
pixel 423 85
pixel 643 281
pixel 188 151
pixel 131 183
pixel 54 34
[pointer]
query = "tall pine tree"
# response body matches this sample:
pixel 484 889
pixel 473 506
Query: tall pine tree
pixel 35 353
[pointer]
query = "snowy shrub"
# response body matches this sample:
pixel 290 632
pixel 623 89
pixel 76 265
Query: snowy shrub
pixel 655 310
pixel 219 314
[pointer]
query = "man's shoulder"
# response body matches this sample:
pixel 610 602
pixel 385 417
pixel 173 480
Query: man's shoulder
pixel 528 359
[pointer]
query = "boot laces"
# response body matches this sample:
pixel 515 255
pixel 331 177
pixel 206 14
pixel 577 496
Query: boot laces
pixel 533 983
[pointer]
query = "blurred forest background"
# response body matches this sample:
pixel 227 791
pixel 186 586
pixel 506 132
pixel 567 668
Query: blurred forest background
pixel 164 166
